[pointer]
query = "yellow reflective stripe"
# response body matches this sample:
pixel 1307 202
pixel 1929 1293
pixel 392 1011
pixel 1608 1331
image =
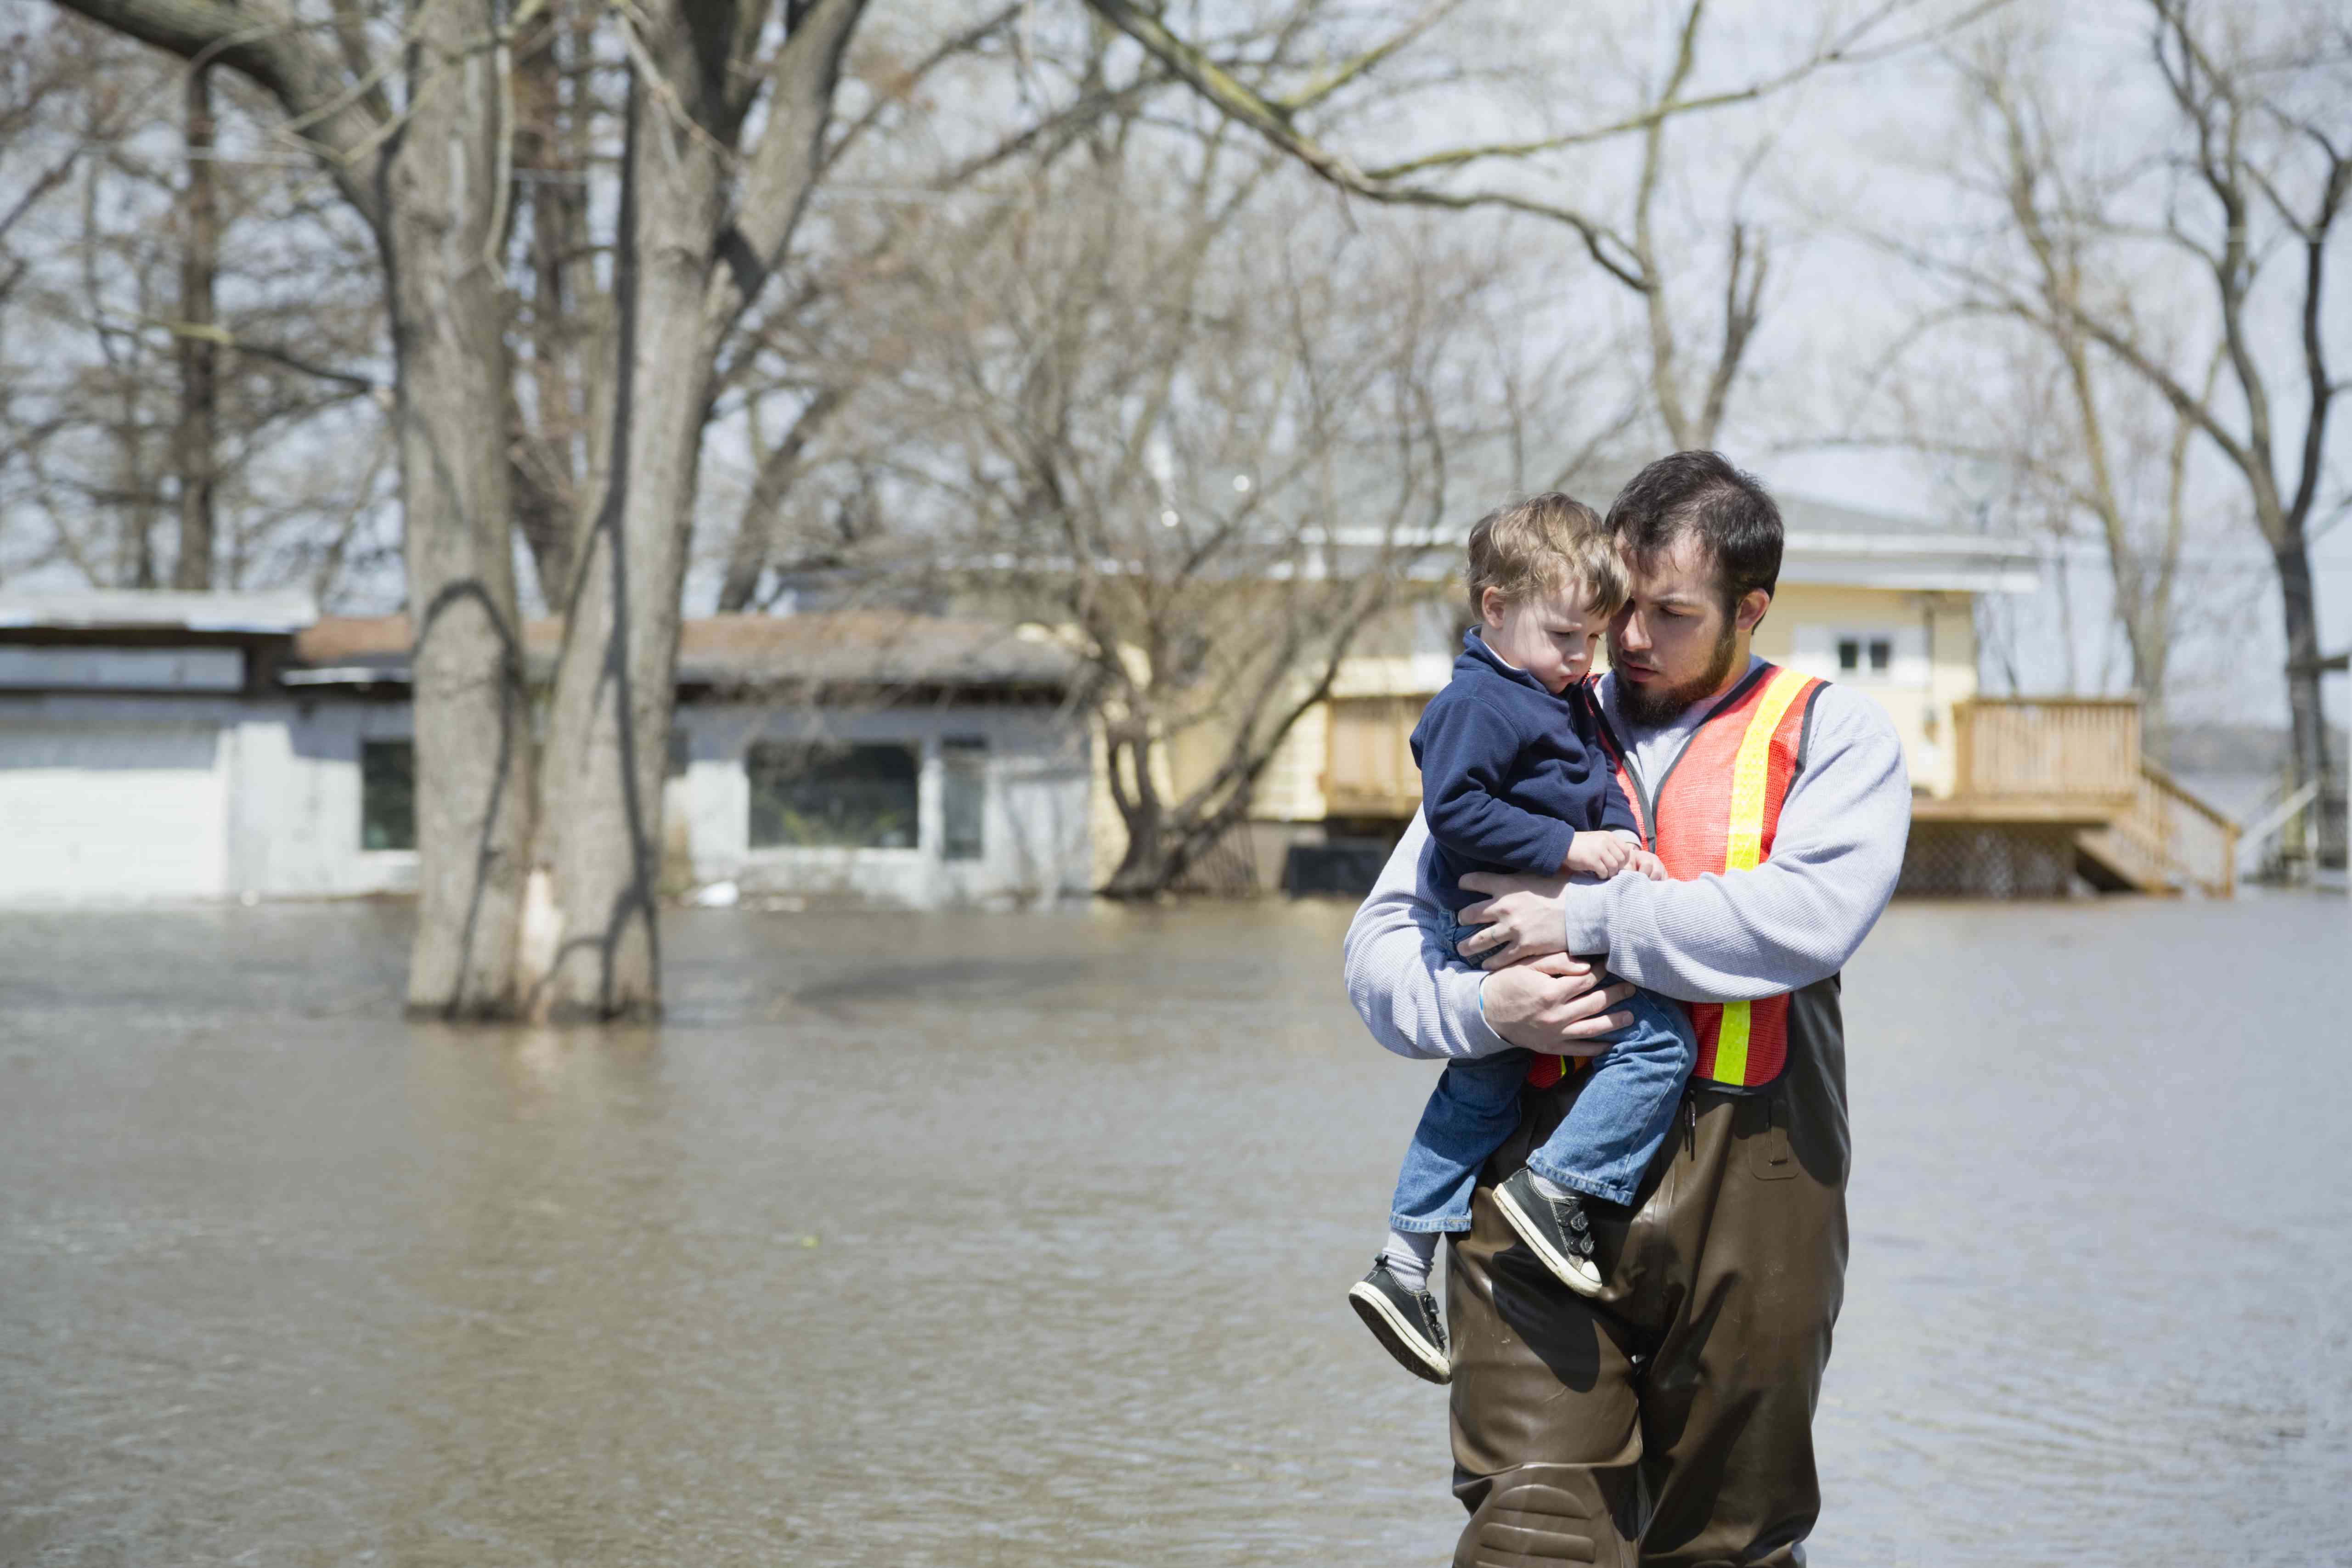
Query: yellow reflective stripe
pixel 1743 846
pixel 1731 1044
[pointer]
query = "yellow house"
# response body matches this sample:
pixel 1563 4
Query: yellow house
pixel 1884 604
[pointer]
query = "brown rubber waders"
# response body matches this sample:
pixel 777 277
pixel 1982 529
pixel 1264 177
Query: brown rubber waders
pixel 1668 1420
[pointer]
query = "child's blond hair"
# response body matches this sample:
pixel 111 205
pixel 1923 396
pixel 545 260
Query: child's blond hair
pixel 1542 546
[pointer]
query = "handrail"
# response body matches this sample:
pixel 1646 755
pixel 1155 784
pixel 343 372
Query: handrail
pixel 2183 838
pixel 2187 797
pixel 2262 829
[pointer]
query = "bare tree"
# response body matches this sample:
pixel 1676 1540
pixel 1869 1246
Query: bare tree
pixel 110 425
pixel 2026 391
pixel 1688 393
pixel 2266 141
pixel 2253 174
pixel 1691 412
pixel 554 380
pixel 413 115
pixel 1209 439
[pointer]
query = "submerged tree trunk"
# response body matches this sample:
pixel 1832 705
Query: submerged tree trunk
pixel 614 683
pixel 424 179
pixel 1143 868
pixel 427 177
pixel 472 718
pixel 684 274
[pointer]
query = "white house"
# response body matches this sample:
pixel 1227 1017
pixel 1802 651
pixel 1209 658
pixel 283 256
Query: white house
pixel 217 745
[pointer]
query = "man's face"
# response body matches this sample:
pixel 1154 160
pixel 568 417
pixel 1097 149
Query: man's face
pixel 1672 643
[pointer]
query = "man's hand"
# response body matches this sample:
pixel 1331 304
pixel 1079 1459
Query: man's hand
pixel 1601 854
pixel 1650 866
pixel 1555 1005
pixel 1522 918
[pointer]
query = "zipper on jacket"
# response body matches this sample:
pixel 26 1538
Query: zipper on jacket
pixel 1690 1127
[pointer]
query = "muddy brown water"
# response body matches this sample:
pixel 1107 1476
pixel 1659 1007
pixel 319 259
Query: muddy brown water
pixel 1021 1239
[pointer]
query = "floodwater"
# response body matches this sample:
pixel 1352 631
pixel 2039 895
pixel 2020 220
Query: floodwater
pixel 980 1240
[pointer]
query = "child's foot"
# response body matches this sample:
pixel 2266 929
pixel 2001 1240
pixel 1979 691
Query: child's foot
pixel 1403 1320
pixel 1555 1230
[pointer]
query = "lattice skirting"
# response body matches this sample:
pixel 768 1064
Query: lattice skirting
pixel 1228 867
pixel 1987 860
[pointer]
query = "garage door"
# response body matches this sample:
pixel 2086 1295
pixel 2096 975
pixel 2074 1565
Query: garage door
pixel 113 811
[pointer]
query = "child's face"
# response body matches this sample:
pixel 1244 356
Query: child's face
pixel 1550 635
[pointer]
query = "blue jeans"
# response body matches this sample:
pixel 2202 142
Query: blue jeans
pixel 1602 1147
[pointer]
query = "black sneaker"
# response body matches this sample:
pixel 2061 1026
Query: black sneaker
pixel 1403 1320
pixel 1557 1231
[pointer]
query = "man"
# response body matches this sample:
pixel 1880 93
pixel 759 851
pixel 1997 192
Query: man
pixel 1668 1420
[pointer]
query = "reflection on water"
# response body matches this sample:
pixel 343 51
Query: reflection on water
pixel 997 1240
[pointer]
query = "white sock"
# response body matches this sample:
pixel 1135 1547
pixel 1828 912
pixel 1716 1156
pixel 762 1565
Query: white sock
pixel 1553 1190
pixel 1408 1254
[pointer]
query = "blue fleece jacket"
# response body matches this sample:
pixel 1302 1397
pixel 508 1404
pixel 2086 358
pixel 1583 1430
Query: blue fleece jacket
pixel 1509 773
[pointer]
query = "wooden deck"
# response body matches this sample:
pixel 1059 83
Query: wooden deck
pixel 2054 812
pixel 2032 768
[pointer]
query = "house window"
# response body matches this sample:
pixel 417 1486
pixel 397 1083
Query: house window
pixel 833 796
pixel 1865 655
pixel 387 794
pixel 1887 655
pixel 963 797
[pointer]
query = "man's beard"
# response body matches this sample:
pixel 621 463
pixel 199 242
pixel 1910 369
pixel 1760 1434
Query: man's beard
pixel 1647 706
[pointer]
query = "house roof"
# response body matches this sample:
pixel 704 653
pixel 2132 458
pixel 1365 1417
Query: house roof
pixel 151 609
pixel 850 647
pixel 1835 545
pixel 1827 544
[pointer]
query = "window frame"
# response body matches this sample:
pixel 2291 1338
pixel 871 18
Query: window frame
pixel 753 769
pixel 963 764
pixel 1819 648
pixel 381 744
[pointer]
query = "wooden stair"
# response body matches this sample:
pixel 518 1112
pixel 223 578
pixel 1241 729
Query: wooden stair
pixel 2167 840
pixel 2113 863
pixel 2077 762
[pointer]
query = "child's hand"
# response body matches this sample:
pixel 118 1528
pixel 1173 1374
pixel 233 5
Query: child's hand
pixel 1601 854
pixel 1649 865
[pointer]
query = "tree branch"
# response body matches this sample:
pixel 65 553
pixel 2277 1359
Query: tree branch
pixel 784 165
pixel 337 126
pixel 1317 91
pixel 1274 122
pixel 226 339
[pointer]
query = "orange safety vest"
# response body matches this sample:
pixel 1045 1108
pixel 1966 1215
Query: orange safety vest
pixel 1715 811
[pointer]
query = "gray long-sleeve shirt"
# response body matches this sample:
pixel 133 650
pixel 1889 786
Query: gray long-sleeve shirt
pixel 1724 937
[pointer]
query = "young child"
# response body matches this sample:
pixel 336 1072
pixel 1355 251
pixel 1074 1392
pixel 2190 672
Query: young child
pixel 1514 778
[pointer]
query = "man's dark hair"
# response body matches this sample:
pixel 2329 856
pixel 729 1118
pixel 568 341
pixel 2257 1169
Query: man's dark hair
pixel 1701 493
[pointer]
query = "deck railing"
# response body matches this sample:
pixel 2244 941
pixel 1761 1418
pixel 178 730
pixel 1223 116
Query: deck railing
pixel 2087 749
pixel 2047 748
